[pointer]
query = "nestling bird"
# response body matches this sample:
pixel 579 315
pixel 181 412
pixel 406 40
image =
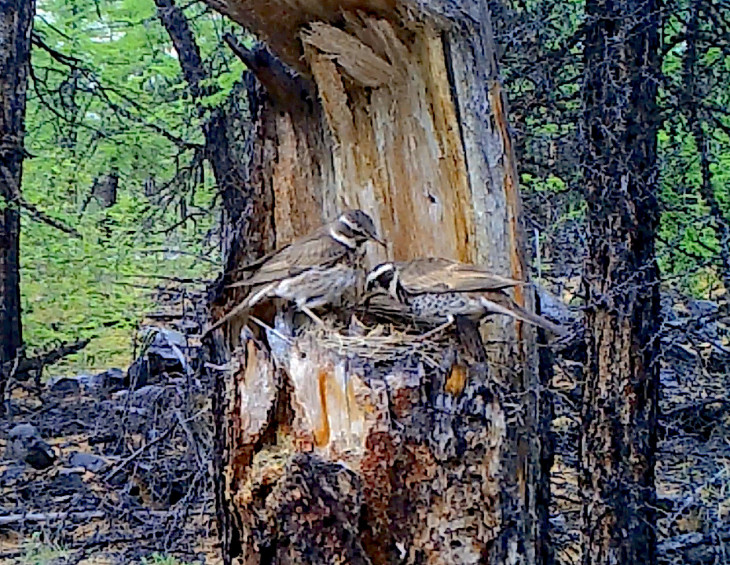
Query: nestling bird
pixel 434 291
pixel 312 271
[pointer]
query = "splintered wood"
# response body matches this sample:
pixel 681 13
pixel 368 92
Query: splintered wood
pixel 419 453
pixel 397 149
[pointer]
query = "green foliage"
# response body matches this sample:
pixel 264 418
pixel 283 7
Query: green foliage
pixel 38 552
pixel 693 96
pixel 161 559
pixel 107 96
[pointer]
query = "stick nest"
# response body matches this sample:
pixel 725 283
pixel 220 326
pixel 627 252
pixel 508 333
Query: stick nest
pixel 382 344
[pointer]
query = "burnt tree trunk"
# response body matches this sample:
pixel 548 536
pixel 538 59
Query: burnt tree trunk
pixel 326 456
pixel 16 21
pixel 621 281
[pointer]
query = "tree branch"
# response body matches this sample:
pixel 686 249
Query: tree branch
pixel 283 84
pixel 20 367
pixel 55 55
pixel 35 213
pixel 41 216
pixel 174 21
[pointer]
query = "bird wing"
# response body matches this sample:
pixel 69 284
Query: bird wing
pixel 443 275
pixel 295 258
pixel 382 305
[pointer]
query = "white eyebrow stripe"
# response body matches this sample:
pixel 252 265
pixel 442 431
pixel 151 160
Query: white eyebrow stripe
pixel 384 268
pixel 345 220
pixel 343 239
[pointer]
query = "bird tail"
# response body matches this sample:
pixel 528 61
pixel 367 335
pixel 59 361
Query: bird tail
pixel 515 311
pixel 250 301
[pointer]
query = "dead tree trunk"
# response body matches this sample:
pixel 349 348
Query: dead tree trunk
pixel 423 456
pixel 16 20
pixel 621 282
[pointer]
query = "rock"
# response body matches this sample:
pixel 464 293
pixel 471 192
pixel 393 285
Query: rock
pixel 88 461
pixel 165 339
pixel 164 356
pixel 26 445
pixel 111 380
pixel 67 482
pixel 137 407
pixel 144 397
pixel 64 386
pixel 165 353
pixel 138 373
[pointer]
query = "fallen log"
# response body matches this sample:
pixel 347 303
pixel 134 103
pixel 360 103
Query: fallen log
pixel 21 369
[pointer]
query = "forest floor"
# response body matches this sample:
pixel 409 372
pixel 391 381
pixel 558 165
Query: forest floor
pixel 130 479
pixel 126 483
pixel 693 452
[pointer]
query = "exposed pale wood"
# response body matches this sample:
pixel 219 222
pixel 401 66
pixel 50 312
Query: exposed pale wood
pixel 397 150
pixel 278 21
pixel 357 59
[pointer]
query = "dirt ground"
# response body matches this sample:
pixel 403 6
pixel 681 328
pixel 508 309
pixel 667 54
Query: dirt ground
pixel 130 481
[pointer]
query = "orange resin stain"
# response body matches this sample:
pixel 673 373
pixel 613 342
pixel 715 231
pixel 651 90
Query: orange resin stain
pixel 457 380
pixel 322 431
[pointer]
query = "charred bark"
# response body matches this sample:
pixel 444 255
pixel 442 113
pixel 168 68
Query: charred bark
pixel 621 280
pixel 16 22
pixel 398 111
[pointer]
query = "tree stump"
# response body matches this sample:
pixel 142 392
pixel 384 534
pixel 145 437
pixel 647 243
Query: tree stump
pixel 342 447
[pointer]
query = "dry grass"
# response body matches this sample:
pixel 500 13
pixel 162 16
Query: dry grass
pixel 383 344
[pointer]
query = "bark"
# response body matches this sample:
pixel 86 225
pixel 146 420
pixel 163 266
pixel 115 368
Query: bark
pixel 621 280
pixel 16 21
pixel 399 112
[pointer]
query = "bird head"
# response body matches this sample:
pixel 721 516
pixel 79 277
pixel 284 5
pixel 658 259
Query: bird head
pixel 385 276
pixel 354 228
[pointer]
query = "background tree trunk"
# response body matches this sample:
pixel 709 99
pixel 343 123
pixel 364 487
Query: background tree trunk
pixel 621 281
pixel 396 110
pixel 222 131
pixel 16 22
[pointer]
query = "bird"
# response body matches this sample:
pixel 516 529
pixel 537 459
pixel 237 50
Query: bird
pixel 312 271
pixel 434 291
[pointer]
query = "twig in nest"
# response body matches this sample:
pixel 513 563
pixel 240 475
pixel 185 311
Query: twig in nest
pixel 382 347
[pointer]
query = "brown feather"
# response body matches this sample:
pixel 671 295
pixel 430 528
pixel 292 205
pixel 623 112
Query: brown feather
pixel 316 249
pixel 443 275
pixel 431 290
